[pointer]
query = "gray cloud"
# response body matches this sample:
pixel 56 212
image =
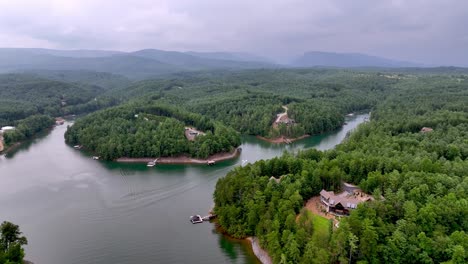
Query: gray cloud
pixel 432 32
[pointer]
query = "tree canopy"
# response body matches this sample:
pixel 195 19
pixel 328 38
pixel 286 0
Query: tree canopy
pixel 422 176
pixel 11 242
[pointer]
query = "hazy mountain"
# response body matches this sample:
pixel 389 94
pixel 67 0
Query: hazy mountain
pixel 189 61
pixel 13 60
pixel 136 65
pixel 233 56
pixel 330 59
pixel 66 53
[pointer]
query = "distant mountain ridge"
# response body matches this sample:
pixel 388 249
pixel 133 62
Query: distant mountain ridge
pixel 140 64
pixel 332 59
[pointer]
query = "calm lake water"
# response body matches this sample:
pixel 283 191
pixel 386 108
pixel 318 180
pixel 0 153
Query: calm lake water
pixel 77 210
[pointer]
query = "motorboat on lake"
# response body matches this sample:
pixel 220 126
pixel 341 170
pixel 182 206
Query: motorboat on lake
pixel 152 163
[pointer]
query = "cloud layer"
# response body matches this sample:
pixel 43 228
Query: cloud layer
pixel 431 32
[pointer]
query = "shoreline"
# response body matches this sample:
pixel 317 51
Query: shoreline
pixel 5 151
pixel 282 139
pixel 184 159
pixel 260 253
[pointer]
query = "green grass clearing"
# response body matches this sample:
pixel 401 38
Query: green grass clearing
pixel 321 227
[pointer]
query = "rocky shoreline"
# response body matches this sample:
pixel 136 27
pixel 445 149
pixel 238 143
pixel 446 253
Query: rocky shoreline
pixel 184 159
pixel 261 254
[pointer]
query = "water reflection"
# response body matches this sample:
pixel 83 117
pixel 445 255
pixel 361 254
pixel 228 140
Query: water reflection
pixel 74 209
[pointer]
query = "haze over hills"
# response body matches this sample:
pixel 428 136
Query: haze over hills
pixel 235 56
pixel 332 59
pixel 136 65
pixel 200 60
pixel 151 63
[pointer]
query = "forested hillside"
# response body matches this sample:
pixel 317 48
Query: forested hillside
pixel 25 128
pixel 248 101
pixel 108 81
pixel 150 128
pixel 422 177
pixel 22 95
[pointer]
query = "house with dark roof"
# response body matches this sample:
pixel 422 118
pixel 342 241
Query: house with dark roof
pixel 342 203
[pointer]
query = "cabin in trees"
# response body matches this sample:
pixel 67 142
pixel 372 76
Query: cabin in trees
pixel 344 202
pixel 285 120
pixel 191 133
pixel 426 129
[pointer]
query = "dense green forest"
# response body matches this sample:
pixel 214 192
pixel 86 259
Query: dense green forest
pixel 249 101
pixel 22 95
pixel 149 128
pixel 422 177
pixel 25 128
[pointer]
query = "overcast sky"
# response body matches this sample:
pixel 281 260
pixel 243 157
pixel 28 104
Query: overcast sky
pixel 431 31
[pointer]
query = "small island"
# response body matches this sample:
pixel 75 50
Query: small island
pixel 146 130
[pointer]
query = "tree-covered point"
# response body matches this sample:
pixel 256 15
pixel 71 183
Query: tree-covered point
pixel 27 127
pixel 22 95
pixel 250 100
pixel 422 177
pixel 11 244
pixel 149 128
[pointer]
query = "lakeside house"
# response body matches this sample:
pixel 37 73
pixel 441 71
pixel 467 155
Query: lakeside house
pixel 6 128
pixel 59 121
pixel 344 202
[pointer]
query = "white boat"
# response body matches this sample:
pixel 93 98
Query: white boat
pixel 96 157
pixel 77 146
pixel 151 164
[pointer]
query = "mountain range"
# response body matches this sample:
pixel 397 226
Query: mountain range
pixel 135 65
pixel 347 60
pixel 149 63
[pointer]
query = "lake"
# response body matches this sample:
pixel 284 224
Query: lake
pixel 74 209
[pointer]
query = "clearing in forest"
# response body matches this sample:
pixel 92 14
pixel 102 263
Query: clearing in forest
pixel 191 133
pixel 321 227
pixel 283 118
pixel 315 206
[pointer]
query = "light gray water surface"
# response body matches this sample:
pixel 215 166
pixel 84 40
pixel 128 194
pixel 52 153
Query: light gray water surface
pixel 77 210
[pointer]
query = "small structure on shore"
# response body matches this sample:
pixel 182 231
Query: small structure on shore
pixel 196 219
pixel 6 128
pixel 77 147
pixel 96 157
pixel 59 121
pixel 210 162
pixel 426 129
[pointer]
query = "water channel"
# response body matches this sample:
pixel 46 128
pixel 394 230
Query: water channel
pixel 74 209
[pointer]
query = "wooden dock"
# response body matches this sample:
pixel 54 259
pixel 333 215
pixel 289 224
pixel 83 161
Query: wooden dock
pixel 209 217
